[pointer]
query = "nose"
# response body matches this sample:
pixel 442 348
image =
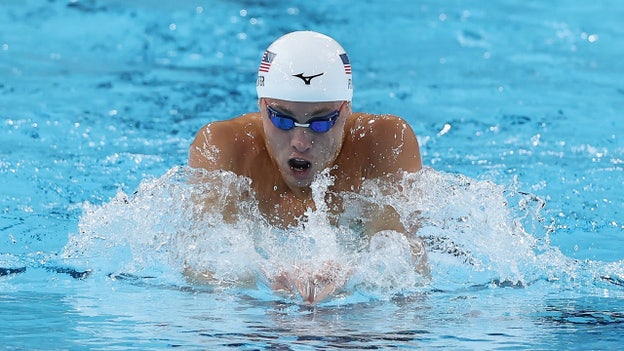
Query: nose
pixel 301 139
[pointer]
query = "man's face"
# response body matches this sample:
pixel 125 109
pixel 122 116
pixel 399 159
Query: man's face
pixel 301 153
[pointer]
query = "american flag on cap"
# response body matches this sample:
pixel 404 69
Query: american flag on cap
pixel 346 63
pixel 265 63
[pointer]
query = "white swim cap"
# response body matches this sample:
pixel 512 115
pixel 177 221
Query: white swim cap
pixel 305 66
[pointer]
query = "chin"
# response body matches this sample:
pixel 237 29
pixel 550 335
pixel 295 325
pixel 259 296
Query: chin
pixel 302 183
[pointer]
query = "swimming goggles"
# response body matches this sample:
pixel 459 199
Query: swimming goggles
pixel 320 124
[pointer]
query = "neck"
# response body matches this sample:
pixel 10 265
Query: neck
pixel 300 193
pixel 284 206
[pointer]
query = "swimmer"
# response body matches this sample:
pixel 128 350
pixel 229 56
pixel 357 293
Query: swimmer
pixel 305 125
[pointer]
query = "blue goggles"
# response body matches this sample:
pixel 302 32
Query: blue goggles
pixel 320 124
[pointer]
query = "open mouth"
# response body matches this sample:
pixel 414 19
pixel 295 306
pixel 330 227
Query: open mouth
pixel 298 164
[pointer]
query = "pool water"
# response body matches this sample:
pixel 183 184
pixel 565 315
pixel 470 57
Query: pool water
pixel 517 106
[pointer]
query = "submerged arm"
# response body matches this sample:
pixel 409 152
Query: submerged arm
pixel 395 152
pixel 219 146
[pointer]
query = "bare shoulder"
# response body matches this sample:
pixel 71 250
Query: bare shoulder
pixel 376 123
pixel 389 141
pixel 217 144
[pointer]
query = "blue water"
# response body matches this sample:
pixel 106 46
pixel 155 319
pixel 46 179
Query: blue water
pixel 517 106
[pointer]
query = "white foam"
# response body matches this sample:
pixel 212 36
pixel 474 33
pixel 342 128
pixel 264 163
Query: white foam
pixel 473 231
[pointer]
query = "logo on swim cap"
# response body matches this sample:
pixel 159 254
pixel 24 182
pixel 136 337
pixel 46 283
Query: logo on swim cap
pixel 307 79
pixel 267 58
pixel 346 63
pixel 305 66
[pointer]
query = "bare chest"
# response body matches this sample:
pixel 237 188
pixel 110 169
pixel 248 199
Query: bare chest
pixel 283 208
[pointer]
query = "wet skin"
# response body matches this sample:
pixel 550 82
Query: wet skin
pixel 282 164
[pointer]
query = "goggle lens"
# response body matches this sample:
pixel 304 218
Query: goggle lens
pixel 317 124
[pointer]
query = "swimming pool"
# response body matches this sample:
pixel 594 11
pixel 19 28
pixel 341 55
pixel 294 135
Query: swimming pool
pixel 517 105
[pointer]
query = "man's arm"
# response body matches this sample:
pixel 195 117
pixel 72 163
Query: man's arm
pixel 212 150
pixel 395 151
pixel 207 150
pixel 394 147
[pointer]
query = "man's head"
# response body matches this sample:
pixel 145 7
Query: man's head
pixel 304 92
pixel 305 66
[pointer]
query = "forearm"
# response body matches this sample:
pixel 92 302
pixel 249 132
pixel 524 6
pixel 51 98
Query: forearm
pixel 382 217
pixel 386 218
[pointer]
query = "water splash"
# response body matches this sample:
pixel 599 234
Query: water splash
pixel 474 232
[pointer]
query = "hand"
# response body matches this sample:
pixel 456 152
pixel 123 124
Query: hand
pixel 312 286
